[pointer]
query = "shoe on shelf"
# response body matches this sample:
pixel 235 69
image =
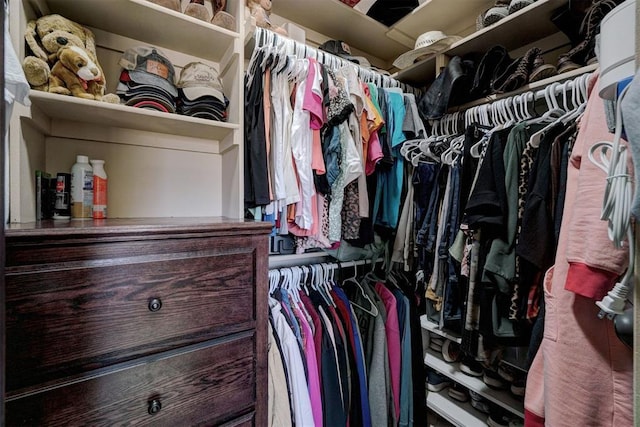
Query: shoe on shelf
pixel 499 10
pixel 584 51
pixel 478 402
pixel 498 416
pixel 437 382
pixel 470 366
pixel 518 386
pixel 528 68
pixel 516 5
pixel 508 373
pixel 492 64
pixel 541 70
pixel 458 392
pixel 435 347
pixel 492 379
pixel 450 351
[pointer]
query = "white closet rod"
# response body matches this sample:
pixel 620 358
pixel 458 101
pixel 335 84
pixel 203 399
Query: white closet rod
pixel 335 264
pixel 553 90
pixel 264 37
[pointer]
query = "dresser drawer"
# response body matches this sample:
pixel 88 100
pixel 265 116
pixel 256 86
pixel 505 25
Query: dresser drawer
pixel 248 420
pixel 206 384
pixel 70 318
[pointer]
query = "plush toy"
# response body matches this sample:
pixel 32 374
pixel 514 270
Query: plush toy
pixel 46 37
pixel 77 73
pixel 260 11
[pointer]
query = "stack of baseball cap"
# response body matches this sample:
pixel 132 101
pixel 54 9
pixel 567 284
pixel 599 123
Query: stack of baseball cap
pixel 200 93
pixel 147 79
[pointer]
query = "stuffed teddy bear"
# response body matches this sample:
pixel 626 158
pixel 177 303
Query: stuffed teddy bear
pixel 260 11
pixel 46 36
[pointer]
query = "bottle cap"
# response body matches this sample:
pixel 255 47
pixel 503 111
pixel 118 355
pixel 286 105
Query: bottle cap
pixel 82 159
pixel 100 162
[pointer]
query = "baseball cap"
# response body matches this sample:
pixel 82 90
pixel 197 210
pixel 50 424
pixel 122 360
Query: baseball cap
pixel 198 79
pixel 341 49
pixel 149 65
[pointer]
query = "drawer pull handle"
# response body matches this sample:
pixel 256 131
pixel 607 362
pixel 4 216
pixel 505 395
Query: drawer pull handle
pixel 154 406
pixel 155 304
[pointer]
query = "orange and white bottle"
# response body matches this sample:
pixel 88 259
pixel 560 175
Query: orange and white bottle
pixel 99 189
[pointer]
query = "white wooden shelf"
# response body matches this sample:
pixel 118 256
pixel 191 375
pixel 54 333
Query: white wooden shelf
pixel 338 21
pixel 430 326
pixel 418 74
pixel 145 21
pixel 516 30
pixel 62 107
pixel 453 17
pixel 460 414
pixel 519 29
pixel 451 370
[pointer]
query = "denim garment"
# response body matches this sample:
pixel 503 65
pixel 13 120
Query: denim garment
pixel 452 300
pixel 427 192
pixel 332 150
pixel 423 177
pixel 434 208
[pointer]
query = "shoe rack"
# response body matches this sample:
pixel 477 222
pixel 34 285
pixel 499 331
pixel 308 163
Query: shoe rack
pixel 459 413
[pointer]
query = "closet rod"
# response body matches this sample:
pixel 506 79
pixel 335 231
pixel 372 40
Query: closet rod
pixel 552 90
pixel 335 264
pixel 538 94
pixel 263 36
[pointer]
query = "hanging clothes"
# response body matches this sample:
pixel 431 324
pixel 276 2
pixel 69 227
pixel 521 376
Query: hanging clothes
pixel 604 365
pixel 357 350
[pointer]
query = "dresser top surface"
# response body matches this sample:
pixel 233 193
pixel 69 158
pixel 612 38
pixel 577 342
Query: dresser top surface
pixel 219 225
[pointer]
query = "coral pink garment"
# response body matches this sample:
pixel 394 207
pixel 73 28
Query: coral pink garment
pixel 582 373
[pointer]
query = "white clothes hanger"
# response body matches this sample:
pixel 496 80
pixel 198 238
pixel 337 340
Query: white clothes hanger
pixel 549 117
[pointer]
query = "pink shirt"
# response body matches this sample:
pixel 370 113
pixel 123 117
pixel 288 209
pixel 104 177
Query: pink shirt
pixel 313 381
pixel 313 96
pixel 582 374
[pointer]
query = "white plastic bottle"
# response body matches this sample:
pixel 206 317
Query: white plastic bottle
pixel 99 189
pixel 81 188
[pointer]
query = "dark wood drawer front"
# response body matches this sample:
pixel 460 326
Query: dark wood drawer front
pixel 209 385
pixel 248 420
pixel 64 322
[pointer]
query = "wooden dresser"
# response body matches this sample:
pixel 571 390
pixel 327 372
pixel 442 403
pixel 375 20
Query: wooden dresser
pixel 137 322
